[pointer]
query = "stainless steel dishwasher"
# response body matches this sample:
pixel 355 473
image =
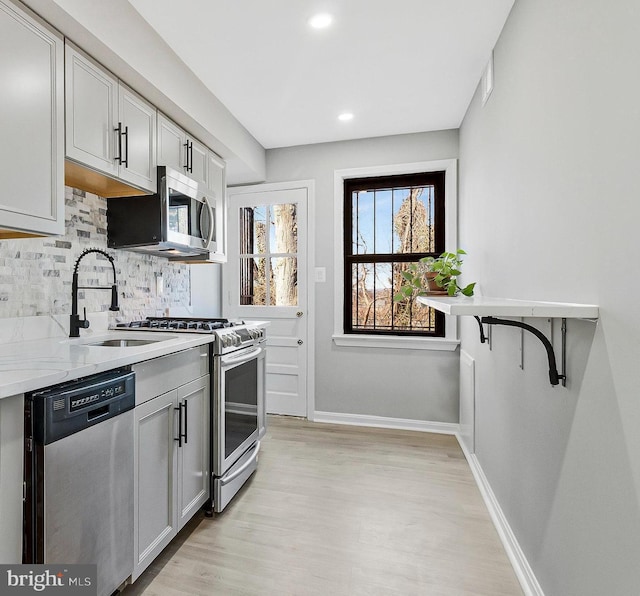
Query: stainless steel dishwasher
pixel 79 475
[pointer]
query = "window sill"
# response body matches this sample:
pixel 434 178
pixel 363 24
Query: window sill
pixel 403 343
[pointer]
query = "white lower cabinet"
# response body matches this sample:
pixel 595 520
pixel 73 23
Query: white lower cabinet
pixel 193 455
pixel 11 458
pixel 171 452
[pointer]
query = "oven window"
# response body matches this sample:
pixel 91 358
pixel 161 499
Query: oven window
pixel 240 405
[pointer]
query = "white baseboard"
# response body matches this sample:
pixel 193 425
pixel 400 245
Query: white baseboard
pixel 526 577
pixel 447 428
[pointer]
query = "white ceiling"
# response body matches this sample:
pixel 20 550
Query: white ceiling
pixel 399 66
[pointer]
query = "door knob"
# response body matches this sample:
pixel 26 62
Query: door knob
pixel 300 342
pixel 299 313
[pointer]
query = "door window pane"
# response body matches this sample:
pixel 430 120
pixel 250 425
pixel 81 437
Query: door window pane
pixel 268 255
pixel 284 281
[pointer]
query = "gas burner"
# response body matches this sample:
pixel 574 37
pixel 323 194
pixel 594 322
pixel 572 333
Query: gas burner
pixel 181 324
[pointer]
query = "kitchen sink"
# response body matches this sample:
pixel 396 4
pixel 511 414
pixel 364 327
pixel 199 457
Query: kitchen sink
pixel 123 343
pixel 121 340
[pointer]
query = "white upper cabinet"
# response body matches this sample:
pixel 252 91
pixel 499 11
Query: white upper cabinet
pixel 177 149
pixel 92 112
pixel 32 125
pixel 172 147
pixel 109 128
pixel 138 139
pixel 218 197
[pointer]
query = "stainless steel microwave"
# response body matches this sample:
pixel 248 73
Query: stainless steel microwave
pixel 178 221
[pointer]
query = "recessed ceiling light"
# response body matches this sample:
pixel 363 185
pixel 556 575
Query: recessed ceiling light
pixel 345 117
pixel 320 21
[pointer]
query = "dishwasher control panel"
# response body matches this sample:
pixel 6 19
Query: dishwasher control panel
pixel 59 411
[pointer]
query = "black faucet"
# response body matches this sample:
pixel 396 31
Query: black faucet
pixel 76 323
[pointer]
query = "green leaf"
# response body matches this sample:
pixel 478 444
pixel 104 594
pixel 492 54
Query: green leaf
pixel 468 291
pixel 456 272
pixel 461 252
pixel 399 297
pixel 407 275
pixel 407 291
pixel 451 290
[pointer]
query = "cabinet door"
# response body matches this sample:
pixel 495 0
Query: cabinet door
pixel 32 124
pixel 172 141
pixel 92 112
pixel 138 119
pixel 198 162
pixel 155 478
pixel 218 193
pixel 193 456
pixel 11 475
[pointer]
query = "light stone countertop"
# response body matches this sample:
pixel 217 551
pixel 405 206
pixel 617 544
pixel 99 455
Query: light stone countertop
pixel 36 352
pixel 37 363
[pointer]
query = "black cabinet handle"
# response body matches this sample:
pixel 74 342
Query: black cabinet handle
pixel 125 162
pixel 185 420
pixel 179 439
pixel 118 129
pixel 191 156
pixel 186 146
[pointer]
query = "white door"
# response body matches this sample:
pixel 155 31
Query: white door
pixel 266 279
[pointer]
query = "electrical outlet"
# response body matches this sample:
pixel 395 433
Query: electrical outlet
pixel 321 274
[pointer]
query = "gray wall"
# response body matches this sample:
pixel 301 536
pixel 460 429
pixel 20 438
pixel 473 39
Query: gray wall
pixel 412 384
pixel 549 209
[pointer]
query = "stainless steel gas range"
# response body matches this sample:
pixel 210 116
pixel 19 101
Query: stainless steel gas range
pixel 238 371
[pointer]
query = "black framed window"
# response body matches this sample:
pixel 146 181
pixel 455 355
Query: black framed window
pixel 389 223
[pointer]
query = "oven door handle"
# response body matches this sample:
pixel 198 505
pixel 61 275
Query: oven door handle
pixel 226 361
pixel 226 479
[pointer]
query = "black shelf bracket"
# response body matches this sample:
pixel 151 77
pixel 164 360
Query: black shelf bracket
pixel 554 376
pixel 483 337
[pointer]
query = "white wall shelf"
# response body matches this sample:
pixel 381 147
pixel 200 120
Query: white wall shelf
pixel 488 311
pixel 505 307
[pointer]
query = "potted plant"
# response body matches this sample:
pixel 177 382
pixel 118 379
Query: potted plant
pixel 435 275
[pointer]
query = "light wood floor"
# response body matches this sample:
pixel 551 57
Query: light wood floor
pixel 336 510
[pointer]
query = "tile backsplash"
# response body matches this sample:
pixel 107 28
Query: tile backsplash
pixel 35 273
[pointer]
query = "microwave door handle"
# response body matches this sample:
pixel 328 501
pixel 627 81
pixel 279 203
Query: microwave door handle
pixel 212 222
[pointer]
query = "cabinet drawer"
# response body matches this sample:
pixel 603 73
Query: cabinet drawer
pixel 163 374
